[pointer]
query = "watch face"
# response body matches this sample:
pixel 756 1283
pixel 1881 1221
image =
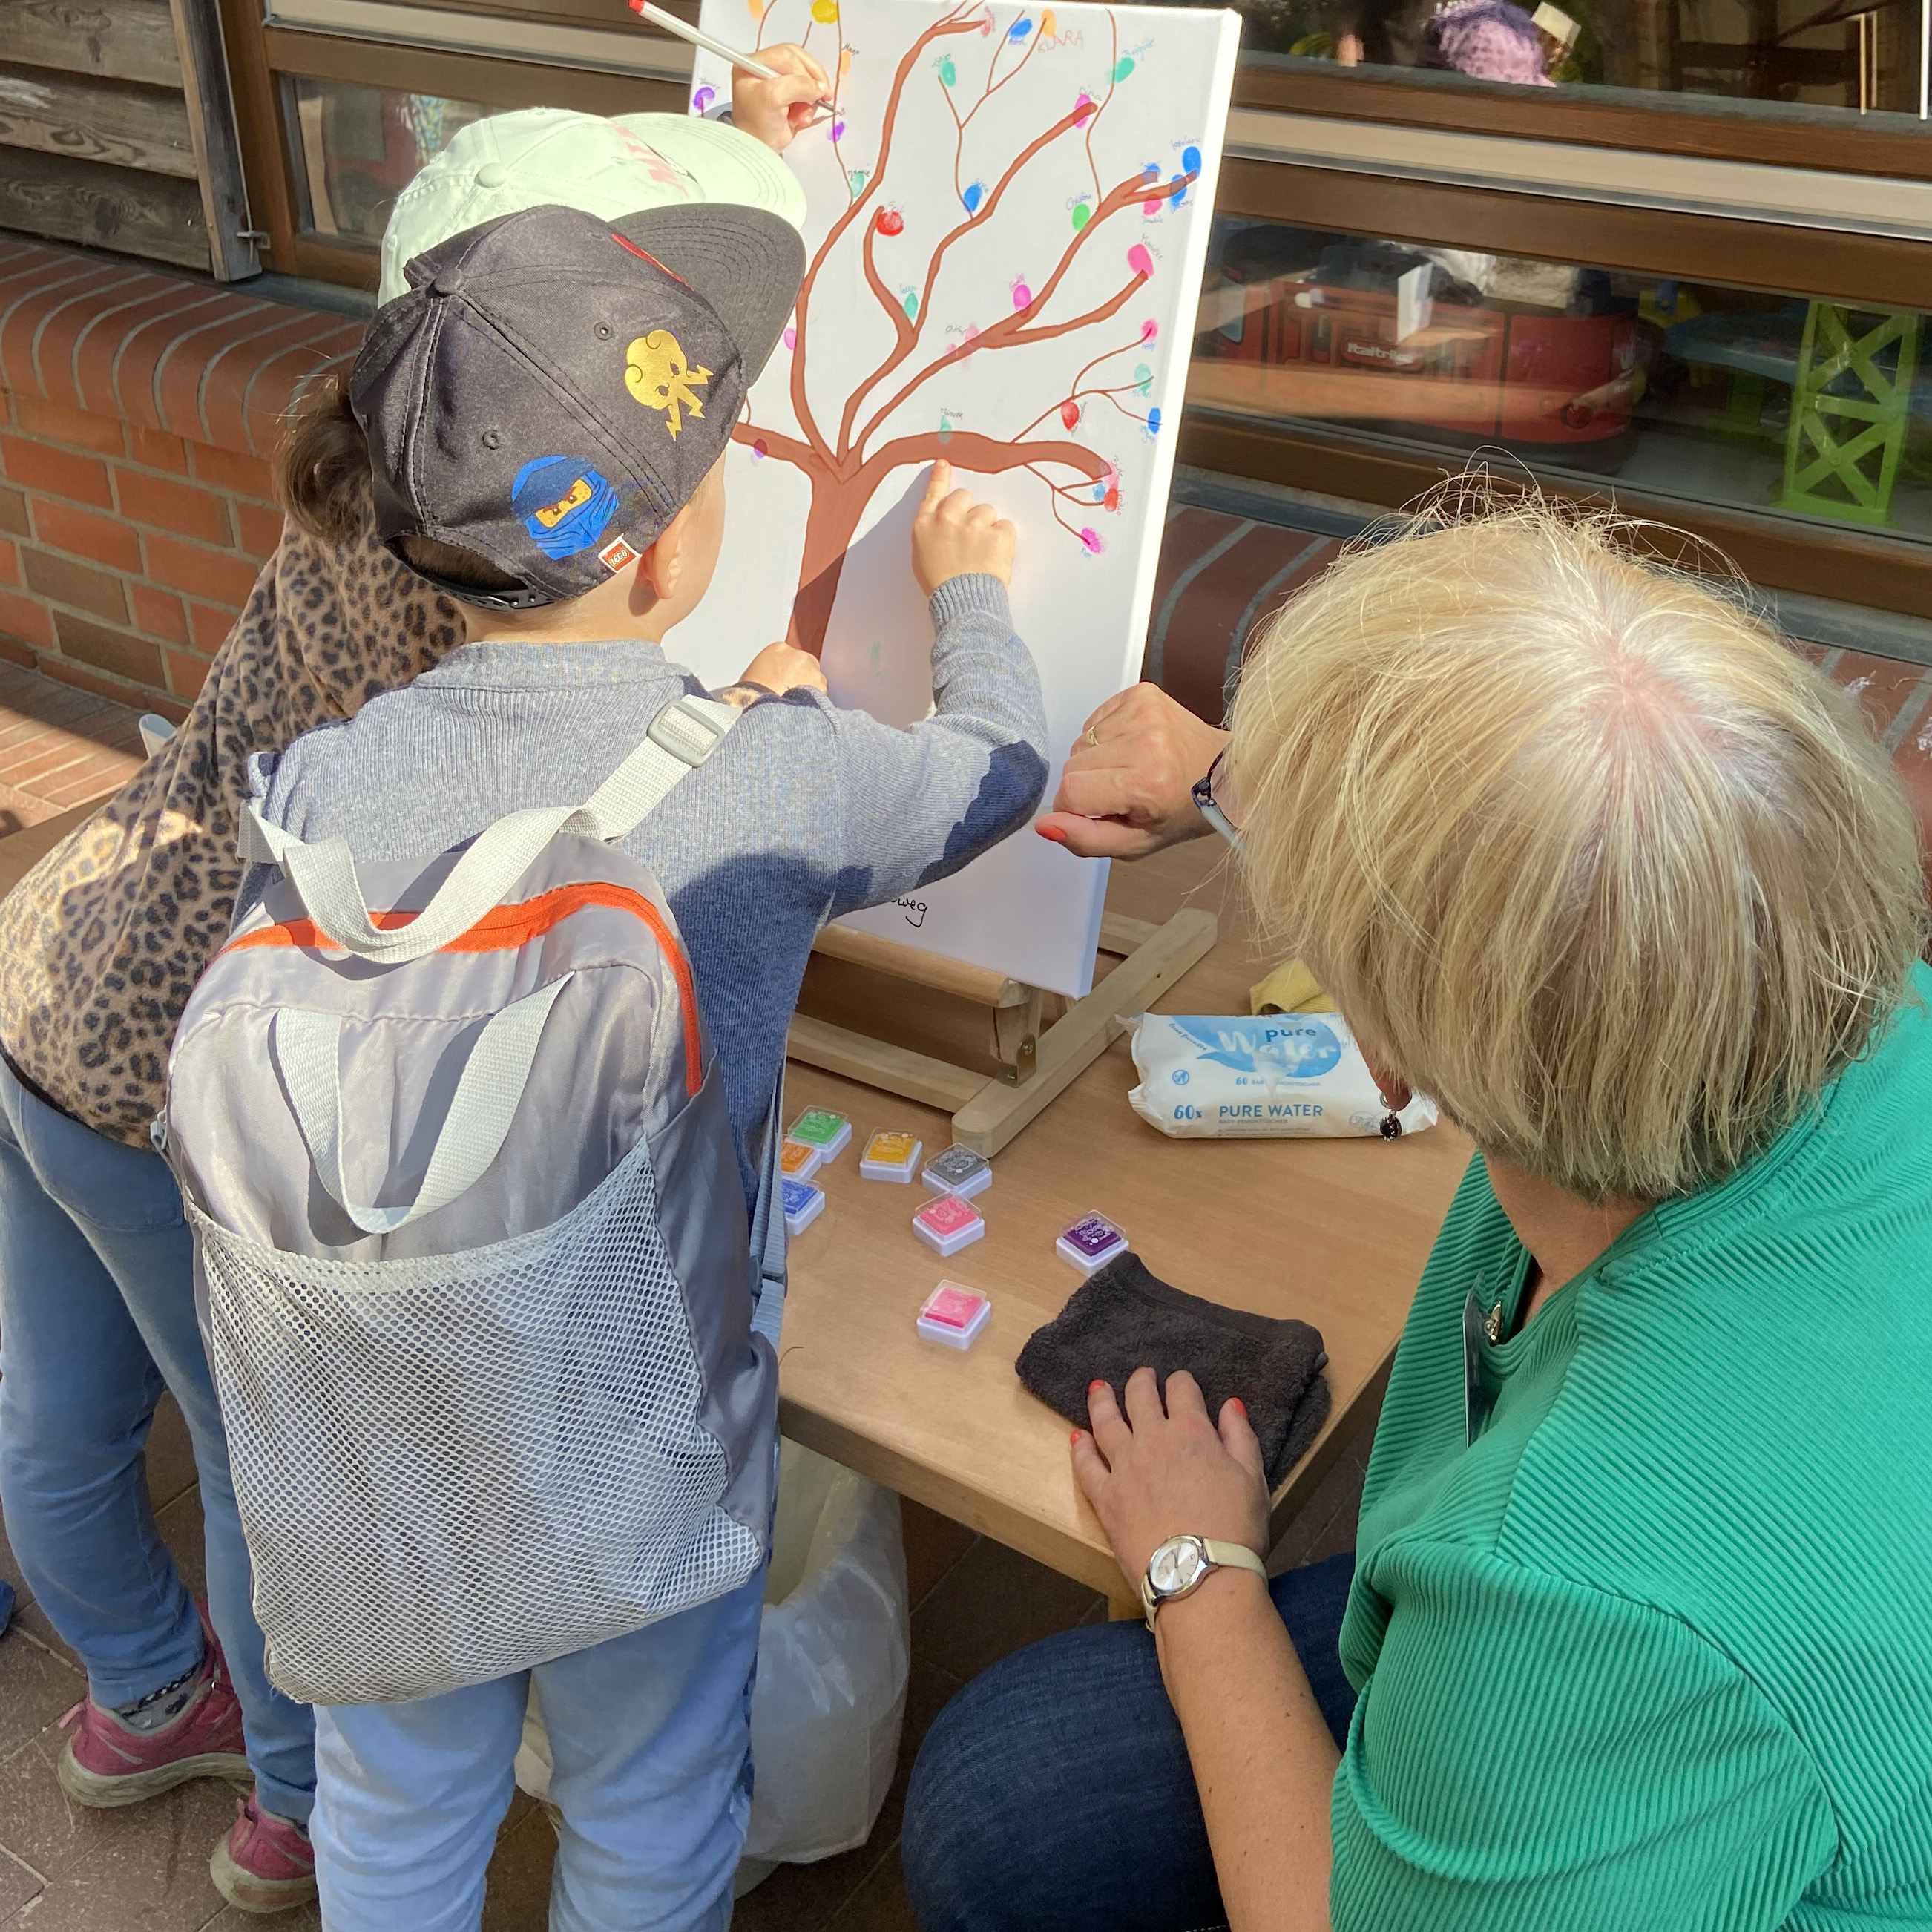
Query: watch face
pixel 1176 1566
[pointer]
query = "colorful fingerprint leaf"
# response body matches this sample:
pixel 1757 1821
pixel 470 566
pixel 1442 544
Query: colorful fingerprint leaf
pixel 702 99
pixel 1022 295
pixel 1150 329
pixel 1122 67
pixel 976 193
pixel 948 73
pixel 791 336
pixel 1091 538
pixel 825 12
pixel 857 179
pixel 1047 24
pixel 1083 109
pixel 1070 413
pixel 1190 160
pixel 758 449
pixel 890 221
pixel 911 305
pixel 1110 502
pixel 1143 377
pixel 1140 263
pixel 1019 30
pixel 1179 185
pixel 1154 422
pixel 1082 214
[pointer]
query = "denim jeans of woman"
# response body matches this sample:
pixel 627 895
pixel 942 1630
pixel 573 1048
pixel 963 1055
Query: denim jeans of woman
pixel 97 1313
pixel 1054 1794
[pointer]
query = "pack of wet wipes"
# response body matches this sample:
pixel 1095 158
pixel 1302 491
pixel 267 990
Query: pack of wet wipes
pixel 1207 1077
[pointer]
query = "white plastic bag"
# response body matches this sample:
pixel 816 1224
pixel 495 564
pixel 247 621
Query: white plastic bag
pixel 1211 1077
pixel 834 1649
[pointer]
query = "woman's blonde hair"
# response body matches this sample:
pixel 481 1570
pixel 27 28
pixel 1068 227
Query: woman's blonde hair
pixel 1577 844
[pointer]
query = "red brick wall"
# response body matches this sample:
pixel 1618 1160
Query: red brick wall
pixel 137 414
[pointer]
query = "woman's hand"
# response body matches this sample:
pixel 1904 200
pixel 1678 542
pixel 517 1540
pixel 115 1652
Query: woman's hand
pixel 1125 789
pixel 1159 1472
pixel 952 535
pixel 774 111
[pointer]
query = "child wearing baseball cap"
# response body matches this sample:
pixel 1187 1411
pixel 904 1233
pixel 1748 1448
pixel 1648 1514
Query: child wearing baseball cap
pixel 101 945
pixel 547 410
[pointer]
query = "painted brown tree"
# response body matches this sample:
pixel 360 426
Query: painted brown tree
pixel 846 466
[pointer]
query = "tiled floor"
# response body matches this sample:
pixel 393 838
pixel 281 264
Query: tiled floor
pixel 58 747
pixel 144 1869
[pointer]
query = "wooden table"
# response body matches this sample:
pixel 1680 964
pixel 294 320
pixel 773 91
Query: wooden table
pixel 1335 1232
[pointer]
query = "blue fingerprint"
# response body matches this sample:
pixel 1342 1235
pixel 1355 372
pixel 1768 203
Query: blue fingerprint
pixel 975 193
pixel 1154 422
pixel 1179 184
pixel 1149 172
pixel 1190 160
pixel 1019 30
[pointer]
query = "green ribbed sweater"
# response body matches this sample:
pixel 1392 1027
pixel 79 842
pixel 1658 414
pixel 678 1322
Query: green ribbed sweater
pixel 1655 1652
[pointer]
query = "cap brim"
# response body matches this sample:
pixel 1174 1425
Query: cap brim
pixel 745 262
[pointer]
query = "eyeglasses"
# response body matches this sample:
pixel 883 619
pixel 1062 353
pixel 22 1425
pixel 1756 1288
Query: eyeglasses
pixel 1207 801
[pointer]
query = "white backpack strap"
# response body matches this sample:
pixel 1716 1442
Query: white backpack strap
pixel 308 1048
pixel 682 736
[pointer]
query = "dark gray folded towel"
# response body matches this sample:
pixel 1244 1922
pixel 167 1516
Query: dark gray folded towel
pixel 1124 1318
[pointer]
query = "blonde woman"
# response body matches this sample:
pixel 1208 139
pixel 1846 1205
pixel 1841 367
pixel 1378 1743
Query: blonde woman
pixel 1638 1632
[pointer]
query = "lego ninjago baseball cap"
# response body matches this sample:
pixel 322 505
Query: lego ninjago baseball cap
pixel 553 388
pixel 540 156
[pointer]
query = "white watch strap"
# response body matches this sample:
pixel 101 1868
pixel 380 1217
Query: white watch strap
pixel 1233 1556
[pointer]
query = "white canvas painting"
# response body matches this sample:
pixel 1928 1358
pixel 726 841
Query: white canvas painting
pixel 1009 220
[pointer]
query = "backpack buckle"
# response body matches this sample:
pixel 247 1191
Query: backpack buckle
pixel 684 730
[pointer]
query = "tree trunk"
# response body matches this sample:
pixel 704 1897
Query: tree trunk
pixel 829 528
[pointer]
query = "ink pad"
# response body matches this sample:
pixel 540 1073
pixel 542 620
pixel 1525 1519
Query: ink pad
pixel 958 1171
pixel 803 1204
pixel 819 1127
pixel 952 1316
pixel 947 1224
pixel 890 1156
pixel 798 1160
pixel 1091 1242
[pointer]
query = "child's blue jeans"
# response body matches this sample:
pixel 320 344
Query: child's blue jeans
pixel 97 1311
pixel 650 1742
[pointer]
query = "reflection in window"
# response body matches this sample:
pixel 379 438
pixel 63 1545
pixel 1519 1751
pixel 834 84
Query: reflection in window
pixel 1674 388
pixel 1866 56
pixel 357 148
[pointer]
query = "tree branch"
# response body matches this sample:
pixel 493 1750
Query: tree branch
pixel 1010 332
pixel 783 448
pixel 953 23
pixel 987 456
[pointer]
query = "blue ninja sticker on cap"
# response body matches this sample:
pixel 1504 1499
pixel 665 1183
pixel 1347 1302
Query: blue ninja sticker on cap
pixel 566 505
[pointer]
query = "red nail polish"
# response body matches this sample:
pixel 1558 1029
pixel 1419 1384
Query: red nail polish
pixel 1051 833
pixel 1240 1405
pixel 1074 1437
pixel 1099 1382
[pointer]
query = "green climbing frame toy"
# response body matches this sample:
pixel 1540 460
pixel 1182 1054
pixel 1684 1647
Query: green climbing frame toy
pixel 1851 404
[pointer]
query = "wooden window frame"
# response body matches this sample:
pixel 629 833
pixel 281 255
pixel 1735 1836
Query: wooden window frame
pixel 1835 139
pixel 1788 553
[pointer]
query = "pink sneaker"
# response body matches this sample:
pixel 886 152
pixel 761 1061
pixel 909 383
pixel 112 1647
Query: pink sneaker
pixel 108 1762
pixel 266 1864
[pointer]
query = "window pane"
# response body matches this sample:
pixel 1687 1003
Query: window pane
pixel 356 149
pixel 1675 388
pixel 1864 56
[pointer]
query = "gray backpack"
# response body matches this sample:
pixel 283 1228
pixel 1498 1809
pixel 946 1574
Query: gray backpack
pixel 495 1357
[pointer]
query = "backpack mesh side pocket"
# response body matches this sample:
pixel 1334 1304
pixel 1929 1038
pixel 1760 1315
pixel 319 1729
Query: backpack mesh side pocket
pixel 450 1468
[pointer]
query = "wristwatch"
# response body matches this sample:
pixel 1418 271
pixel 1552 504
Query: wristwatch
pixel 1182 1564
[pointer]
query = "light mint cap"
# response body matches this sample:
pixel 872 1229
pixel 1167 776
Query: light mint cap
pixel 537 156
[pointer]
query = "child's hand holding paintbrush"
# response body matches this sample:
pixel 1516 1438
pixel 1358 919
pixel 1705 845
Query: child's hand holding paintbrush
pixel 775 94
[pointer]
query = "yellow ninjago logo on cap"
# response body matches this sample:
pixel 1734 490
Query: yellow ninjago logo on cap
pixel 657 374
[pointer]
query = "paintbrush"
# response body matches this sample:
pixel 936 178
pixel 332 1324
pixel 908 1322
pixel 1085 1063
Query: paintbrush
pixel 671 24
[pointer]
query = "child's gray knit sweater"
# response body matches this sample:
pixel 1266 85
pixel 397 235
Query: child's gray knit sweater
pixel 804 812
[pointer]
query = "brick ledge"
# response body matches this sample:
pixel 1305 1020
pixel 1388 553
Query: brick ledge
pixel 195 360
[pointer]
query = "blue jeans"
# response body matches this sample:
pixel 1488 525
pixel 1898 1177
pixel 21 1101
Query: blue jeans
pixel 1054 1794
pixel 651 1745
pixel 96 1312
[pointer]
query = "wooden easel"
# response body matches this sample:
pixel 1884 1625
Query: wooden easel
pixel 1038 1061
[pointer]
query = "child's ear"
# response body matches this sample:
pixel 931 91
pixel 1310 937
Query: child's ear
pixel 658 569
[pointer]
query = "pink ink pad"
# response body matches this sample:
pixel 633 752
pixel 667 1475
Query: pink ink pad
pixel 947 1224
pixel 952 1316
pixel 1091 1242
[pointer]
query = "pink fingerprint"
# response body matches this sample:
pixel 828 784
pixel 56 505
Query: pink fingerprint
pixel 1091 538
pixel 1082 108
pixel 790 337
pixel 1149 328
pixel 1022 295
pixel 1141 263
